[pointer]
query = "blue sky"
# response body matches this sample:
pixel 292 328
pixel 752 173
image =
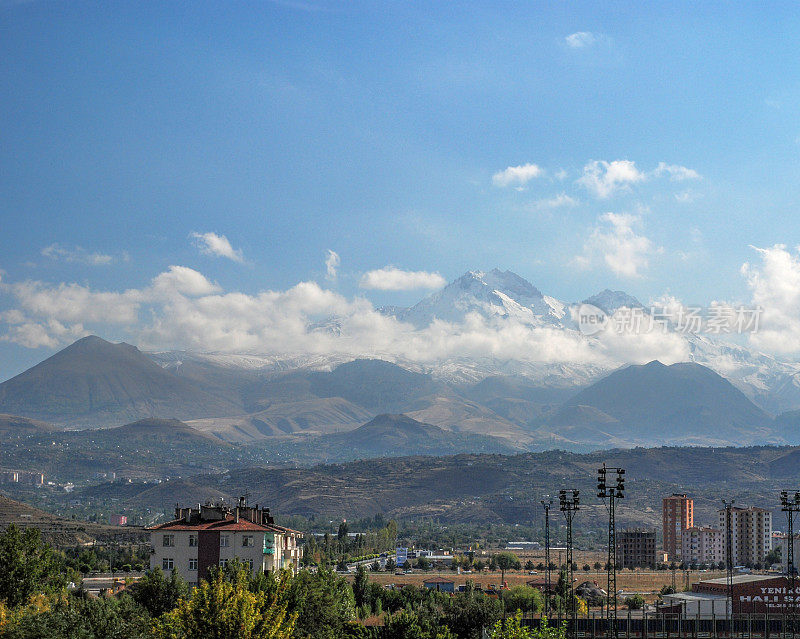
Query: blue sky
pixel 381 131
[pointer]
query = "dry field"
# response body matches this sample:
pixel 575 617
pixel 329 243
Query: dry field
pixel 644 582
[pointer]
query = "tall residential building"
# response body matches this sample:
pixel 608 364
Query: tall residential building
pixel 702 545
pixel 636 548
pixel 677 516
pixel 783 544
pixel 751 534
pixel 213 535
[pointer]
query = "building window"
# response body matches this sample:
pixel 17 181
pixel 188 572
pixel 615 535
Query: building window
pixel 167 563
pixel 192 541
pixel 247 541
pixel 224 541
pixel 223 563
pixel 169 540
pixel 193 564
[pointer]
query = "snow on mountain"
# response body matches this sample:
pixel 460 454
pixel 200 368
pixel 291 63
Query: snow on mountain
pixel 609 301
pixel 502 296
pixel 495 294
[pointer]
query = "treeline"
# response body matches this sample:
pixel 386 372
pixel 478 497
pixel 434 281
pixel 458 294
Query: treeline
pixel 341 547
pixel 35 603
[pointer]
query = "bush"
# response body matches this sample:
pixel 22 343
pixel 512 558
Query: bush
pixel 634 602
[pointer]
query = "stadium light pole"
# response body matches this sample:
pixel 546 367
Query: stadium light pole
pixel 569 503
pixel 729 552
pixel 546 503
pixel 791 506
pixel 612 492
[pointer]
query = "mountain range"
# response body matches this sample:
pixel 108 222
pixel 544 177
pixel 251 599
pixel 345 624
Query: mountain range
pixel 258 397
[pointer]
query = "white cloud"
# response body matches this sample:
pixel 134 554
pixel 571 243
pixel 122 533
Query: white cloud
pixel 516 175
pixel 182 309
pixel 393 279
pixel 603 179
pixel 675 172
pixel 76 254
pixel 775 287
pixel 562 200
pixel 332 262
pixel 184 280
pixel 615 241
pixel 216 245
pixel 582 39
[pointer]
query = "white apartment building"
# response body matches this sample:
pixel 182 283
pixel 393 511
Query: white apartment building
pixel 212 535
pixel 751 534
pixel 702 545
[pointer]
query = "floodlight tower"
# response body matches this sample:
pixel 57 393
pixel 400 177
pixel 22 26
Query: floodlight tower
pixel 569 503
pixel 729 550
pixel 791 506
pixel 546 503
pixel 612 492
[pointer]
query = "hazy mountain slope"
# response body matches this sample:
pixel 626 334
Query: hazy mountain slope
pixel 401 435
pixel 377 385
pixel 671 404
pixel 455 413
pixel 311 416
pixel 96 383
pixel 787 426
pixel 14 425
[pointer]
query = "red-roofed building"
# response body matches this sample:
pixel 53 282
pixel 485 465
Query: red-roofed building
pixel 212 535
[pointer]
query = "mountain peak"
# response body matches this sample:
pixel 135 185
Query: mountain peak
pixel 506 282
pixel 609 301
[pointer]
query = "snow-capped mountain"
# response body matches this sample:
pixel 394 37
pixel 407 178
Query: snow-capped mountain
pixel 503 296
pixel 492 294
pixel 610 301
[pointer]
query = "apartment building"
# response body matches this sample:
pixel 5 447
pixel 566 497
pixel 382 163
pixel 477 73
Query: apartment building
pixel 702 545
pixel 636 548
pixel 677 516
pixel 783 544
pixel 751 534
pixel 213 535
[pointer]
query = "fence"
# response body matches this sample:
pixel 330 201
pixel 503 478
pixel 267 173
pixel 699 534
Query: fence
pixel 676 625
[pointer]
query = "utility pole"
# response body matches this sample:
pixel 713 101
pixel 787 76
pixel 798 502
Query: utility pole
pixel 729 551
pixel 605 490
pixel 791 506
pixel 546 503
pixel 569 503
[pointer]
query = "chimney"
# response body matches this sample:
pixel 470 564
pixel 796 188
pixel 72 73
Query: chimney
pixel 236 516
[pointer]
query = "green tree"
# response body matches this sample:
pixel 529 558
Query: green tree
pixel 360 586
pixel 634 602
pixel 423 563
pixel 510 628
pixel 468 613
pixel 81 617
pixel 390 565
pixel 323 603
pixel 375 566
pixel 403 625
pixel 523 598
pixel 28 565
pixel 529 565
pixel 157 593
pixel 226 609
pixel 506 561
